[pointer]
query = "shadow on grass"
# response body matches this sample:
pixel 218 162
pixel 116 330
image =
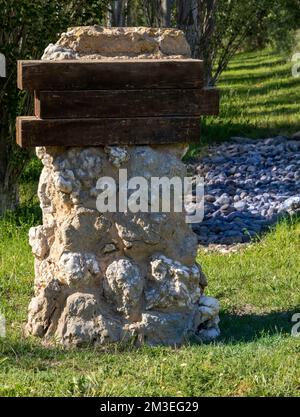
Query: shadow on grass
pixel 257 65
pixel 239 327
pixel 220 130
pixel 236 327
pixel 31 352
pixel 279 75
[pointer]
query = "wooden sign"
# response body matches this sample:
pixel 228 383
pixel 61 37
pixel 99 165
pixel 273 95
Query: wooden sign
pixel 86 103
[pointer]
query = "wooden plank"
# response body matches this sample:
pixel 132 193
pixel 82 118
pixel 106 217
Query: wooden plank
pixel 112 75
pixel 95 132
pixel 125 103
pixel 210 102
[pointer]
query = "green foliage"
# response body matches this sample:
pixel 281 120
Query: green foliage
pixel 276 26
pixel 251 25
pixel 32 171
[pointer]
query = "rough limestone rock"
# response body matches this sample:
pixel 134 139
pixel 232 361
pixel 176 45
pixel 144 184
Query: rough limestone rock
pixel 108 277
pixel 96 42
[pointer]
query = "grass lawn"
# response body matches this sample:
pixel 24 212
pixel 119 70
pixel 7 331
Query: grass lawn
pixel 259 98
pixel 258 287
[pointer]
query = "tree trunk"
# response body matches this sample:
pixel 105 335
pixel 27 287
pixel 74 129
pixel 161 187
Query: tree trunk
pixel 158 12
pixel 205 49
pixel 197 19
pixel 129 14
pixel 117 15
pixel 165 12
pixel 8 198
pixel 12 161
pixel 187 20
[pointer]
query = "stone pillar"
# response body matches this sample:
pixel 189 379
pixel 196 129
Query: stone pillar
pixel 108 277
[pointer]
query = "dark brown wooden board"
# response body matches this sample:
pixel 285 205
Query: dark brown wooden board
pixel 95 132
pixel 210 105
pixel 110 75
pixel 125 103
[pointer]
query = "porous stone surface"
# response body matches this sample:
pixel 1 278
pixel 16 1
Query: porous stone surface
pixel 96 42
pixel 104 277
pixel 249 186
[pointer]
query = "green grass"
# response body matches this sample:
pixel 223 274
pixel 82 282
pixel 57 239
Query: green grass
pixel 259 99
pixel 258 288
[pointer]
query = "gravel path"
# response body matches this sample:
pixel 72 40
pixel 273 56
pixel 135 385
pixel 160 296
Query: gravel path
pixel 249 185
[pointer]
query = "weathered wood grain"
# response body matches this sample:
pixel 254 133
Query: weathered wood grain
pixel 210 103
pixel 112 75
pixel 32 131
pixel 125 103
